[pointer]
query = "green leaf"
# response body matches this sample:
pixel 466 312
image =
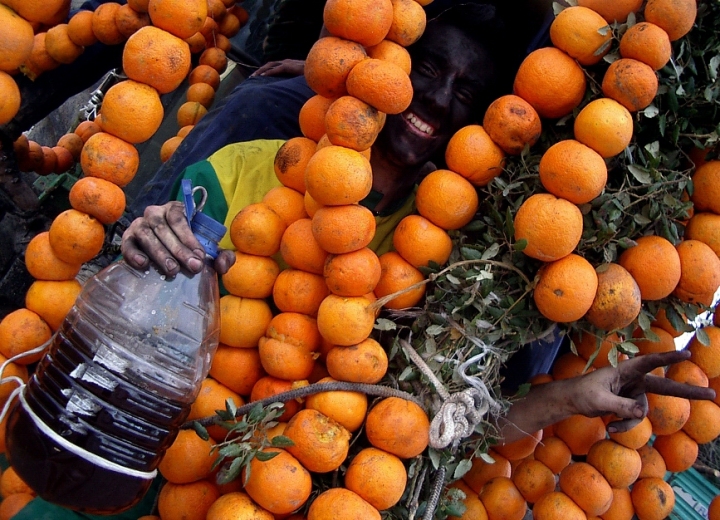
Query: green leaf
pixel 434 330
pixel 256 414
pixel 434 458
pixel 469 253
pixel 281 441
pixel 200 430
pixel 491 252
pixel 384 324
pixel 628 347
pixel 651 111
pixel 640 174
pixel 233 450
pixel 227 475
pixel 231 407
pixel 520 245
pixel 264 456
pixel 644 321
pixel 463 467
pixel 702 336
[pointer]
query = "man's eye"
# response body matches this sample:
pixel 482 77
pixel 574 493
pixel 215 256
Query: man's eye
pixel 427 69
pixel 464 96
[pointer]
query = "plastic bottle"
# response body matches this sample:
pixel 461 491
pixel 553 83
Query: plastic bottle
pixel 106 400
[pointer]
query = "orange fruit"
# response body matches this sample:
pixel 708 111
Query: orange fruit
pixel 215 57
pixel 345 407
pixel 648 43
pixel 366 362
pixel 11 369
pixel 343 229
pixel 676 17
pixel 76 237
pixel 17 41
pixel 189 501
pixel 269 386
pixel 190 113
pixel 73 143
pixel 551 81
pixel 580 432
pixel 390 51
pixel 566 289
pixel 39 60
pixel 630 82
pixel 568 366
pixel 230 25
pixel 257 230
pixel 652 498
pixel 86 130
pixel 520 448
pixel 80 29
pixel 636 437
pixel 366 22
pixel 399 427
pixel 653 465
pixel 129 21
pixel 64 158
pixel 312 118
pixel 502 500
pixel 169 146
pixel 52 300
pixel 237 506
pixel 714 508
pixel 132 111
pixel 707 356
pixel 705 187
pixel 613 11
pixel 551 226
pixel 588 344
pixel 617 302
pixel 311 206
pixel 662 321
pixel 188 458
pixel 291 161
pixel 237 368
pixel 408 23
pixel 483 471
pixel 244 320
pixel 554 453
pixel 667 414
pixel 687 372
pixel 654 264
pixel 420 242
pixel 157 58
pixel 59 45
pixel 703 424
pixel 183 18
pixel 299 291
pixel 621 507
pixel 352 123
pixel 512 123
pixel 43 264
pixel 319 443
pixel 185 130
pixel 288 203
pixel 699 272
pixel 474 508
pixel 13 504
pixel 577 31
pixel 573 171
pixel 555 506
pixel 285 359
pixel 204 74
pixel 352 274
pixel 104 26
pixel 328 503
pixel 109 158
pixel 377 476
pixel 281 484
pixel 605 126
pixel 533 479
pixel 212 397
pixel 475 156
pixel 619 464
pixel 251 276
pixel 587 487
pixel 380 84
pixel 336 175
pixel 345 321
pixel 11 483
pixel 396 275
pixel 98 198
pixel 328 64
pixel 295 328
pixel 446 199
pixel 300 250
pixel 705 227
pixel 714 383
pixel 678 450
pixel 202 93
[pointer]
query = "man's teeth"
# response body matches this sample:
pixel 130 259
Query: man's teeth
pixel 419 124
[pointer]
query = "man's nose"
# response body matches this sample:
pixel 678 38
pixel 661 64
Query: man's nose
pixel 440 96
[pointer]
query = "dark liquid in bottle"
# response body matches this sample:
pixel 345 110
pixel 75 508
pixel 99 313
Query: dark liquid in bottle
pixel 95 410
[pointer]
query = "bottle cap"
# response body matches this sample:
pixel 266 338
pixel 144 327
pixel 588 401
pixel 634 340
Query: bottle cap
pixel 207 230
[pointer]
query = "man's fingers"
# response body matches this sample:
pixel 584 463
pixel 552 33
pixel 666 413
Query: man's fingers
pixel 649 362
pixel 622 426
pixel 665 386
pixel 224 261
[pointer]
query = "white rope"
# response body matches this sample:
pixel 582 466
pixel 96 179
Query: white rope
pixel 16 379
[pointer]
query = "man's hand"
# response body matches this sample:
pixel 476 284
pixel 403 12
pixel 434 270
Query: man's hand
pixel 622 390
pixel 162 236
pixel 290 68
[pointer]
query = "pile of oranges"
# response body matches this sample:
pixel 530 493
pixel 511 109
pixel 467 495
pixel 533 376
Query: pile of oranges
pixel 308 245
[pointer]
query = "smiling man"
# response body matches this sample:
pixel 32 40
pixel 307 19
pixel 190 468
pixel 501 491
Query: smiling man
pixel 459 66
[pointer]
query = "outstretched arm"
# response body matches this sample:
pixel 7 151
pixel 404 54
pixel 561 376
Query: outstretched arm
pixel 620 390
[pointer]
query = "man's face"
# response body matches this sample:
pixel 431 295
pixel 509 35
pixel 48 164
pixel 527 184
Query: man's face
pixel 450 73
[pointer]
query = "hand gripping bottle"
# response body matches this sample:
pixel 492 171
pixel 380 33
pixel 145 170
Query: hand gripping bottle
pixel 106 400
